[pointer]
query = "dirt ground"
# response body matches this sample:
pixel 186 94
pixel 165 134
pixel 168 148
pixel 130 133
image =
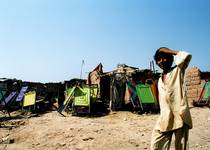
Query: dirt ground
pixel 121 130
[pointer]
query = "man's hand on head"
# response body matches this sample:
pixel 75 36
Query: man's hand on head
pixel 168 51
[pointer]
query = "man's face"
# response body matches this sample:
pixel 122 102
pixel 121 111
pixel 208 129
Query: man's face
pixel 164 63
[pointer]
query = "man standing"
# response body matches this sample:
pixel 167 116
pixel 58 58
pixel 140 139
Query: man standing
pixel 174 116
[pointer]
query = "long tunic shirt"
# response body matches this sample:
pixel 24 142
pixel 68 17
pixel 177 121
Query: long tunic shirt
pixel 174 110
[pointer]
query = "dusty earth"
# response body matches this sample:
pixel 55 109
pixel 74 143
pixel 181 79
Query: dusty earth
pixel 117 131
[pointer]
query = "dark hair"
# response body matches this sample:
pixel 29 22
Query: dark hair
pixel 160 54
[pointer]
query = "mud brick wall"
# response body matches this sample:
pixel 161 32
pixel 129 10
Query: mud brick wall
pixel 194 84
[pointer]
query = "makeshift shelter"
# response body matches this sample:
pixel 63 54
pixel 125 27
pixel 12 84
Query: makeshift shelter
pixel 123 86
pixel 115 90
pixel 102 80
pixel 80 98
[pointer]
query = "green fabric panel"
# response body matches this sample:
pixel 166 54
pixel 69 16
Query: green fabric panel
pixel 82 96
pixel 93 93
pixel 207 91
pixel 69 93
pixel 145 94
pixel 2 93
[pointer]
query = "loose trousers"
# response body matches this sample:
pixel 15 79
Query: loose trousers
pixel 162 140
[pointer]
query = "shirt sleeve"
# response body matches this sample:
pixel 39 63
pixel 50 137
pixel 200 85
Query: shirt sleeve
pixel 182 59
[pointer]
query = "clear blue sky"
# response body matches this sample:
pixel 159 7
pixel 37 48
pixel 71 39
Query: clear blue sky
pixel 46 40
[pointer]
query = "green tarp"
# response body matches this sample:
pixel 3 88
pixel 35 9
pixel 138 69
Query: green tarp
pixel 145 94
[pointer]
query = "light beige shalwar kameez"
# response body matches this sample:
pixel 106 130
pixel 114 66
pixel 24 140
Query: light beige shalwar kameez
pixel 174 111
